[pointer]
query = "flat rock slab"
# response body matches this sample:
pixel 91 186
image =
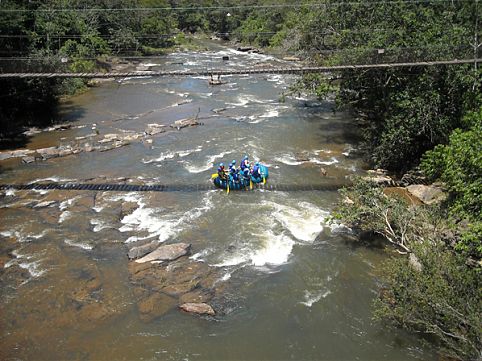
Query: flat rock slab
pixel 199 308
pixel 183 123
pixel 169 252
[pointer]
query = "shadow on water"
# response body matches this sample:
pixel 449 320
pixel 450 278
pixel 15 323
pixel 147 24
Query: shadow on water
pixel 41 116
pixel 364 240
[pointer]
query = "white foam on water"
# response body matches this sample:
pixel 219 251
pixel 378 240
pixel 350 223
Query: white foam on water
pixel 65 204
pixel 304 222
pixel 226 277
pixel 10 192
pixel 20 260
pixel 40 191
pixel 33 268
pixel 99 225
pixel 259 56
pixel 191 168
pixel 171 155
pixel 244 99
pixel 6 233
pixel 313 297
pixel 270 114
pixel 64 216
pixel 167 225
pixel 51 179
pixel 184 153
pixel 38 236
pixel 162 157
pixel 289 159
pixel 151 64
pixel 82 245
pixel 275 249
pixel 136 77
pixel 199 256
pixel 333 160
pixel 133 197
pixel 234 260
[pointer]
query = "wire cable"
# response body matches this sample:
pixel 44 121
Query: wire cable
pixel 237 7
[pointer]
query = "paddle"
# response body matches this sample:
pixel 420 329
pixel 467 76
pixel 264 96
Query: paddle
pixel 214 176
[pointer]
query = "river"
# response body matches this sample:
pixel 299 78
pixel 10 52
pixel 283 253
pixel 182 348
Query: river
pixel 288 284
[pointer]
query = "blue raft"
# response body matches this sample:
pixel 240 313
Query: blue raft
pixel 243 183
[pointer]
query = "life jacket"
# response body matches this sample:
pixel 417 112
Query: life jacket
pixel 221 173
pixel 235 177
pixel 244 164
pixel 255 172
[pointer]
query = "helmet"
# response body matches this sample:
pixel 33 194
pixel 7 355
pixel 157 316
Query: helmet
pixel 221 164
pixel 234 161
pixel 257 163
pixel 245 157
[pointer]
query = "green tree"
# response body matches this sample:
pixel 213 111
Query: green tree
pixel 458 165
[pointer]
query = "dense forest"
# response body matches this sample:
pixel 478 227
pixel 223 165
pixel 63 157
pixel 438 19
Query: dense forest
pixel 424 118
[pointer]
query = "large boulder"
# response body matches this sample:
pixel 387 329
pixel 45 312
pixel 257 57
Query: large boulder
pixel 141 251
pixel 428 194
pixel 175 278
pixel 199 308
pixel 168 252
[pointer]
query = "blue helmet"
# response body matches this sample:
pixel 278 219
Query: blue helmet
pixel 245 157
pixel 234 161
pixel 257 163
pixel 221 164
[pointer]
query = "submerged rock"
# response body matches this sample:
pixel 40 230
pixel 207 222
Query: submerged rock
pixel 169 252
pixel 199 308
pixel 155 306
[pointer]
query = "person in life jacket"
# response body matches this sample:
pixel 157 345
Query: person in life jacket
pixel 245 163
pixel 232 167
pixel 235 176
pixel 221 171
pixel 255 172
pixel 246 175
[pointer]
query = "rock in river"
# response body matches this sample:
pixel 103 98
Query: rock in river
pixel 140 251
pixel 199 308
pixel 169 252
pixel 426 194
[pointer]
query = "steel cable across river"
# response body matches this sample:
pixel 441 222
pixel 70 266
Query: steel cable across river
pixel 282 282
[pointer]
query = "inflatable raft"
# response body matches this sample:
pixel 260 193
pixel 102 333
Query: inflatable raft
pixel 243 182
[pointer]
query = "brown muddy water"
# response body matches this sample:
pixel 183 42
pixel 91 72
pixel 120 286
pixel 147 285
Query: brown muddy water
pixel 284 283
